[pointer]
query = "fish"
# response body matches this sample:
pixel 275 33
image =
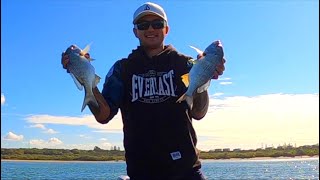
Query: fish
pixel 83 73
pixel 199 77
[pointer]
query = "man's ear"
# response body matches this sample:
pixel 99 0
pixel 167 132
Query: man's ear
pixel 167 29
pixel 135 32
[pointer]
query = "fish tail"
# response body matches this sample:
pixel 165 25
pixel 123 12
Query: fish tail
pixel 89 99
pixel 188 99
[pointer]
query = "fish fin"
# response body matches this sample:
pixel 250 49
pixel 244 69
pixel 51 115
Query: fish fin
pixel 185 79
pixel 182 98
pixel 96 81
pixel 76 81
pixel 188 99
pixel 204 87
pixel 198 50
pixel 86 49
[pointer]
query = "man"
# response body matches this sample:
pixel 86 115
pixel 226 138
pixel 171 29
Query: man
pixel 159 139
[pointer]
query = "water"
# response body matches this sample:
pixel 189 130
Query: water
pixel 262 169
pixel 307 168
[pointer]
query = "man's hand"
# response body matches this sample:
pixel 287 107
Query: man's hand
pixel 65 61
pixel 219 70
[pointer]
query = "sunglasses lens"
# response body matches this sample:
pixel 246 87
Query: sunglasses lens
pixel 157 24
pixel 143 25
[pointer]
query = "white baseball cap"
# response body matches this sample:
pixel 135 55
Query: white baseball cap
pixel 149 8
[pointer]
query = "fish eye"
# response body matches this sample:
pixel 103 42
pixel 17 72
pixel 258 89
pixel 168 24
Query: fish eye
pixel 73 47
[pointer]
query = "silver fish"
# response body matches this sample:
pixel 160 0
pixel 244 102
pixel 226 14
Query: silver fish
pixel 83 73
pixel 199 77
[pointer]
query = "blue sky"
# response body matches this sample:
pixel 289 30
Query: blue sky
pixel 267 96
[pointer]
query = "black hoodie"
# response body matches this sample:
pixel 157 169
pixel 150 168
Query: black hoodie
pixel 159 138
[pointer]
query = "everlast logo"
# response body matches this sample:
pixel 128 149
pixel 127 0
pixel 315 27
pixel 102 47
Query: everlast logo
pixel 153 87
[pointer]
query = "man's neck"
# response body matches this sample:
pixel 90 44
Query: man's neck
pixel 154 51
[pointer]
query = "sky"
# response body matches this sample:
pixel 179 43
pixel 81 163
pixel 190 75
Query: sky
pixel 267 96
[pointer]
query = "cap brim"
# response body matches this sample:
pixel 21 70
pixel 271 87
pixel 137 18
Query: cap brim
pixel 146 13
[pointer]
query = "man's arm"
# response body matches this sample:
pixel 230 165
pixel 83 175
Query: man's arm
pixel 102 113
pixel 201 100
pixel 200 105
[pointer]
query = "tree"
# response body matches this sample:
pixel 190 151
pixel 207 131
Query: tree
pixel 96 148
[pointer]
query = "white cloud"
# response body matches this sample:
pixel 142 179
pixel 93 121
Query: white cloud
pixel 37 142
pixel 40 126
pixel 115 125
pixel 224 79
pixel 225 83
pixel 54 141
pixel 105 145
pixel 3 99
pixel 58 144
pixel 89 146
pixel 247 122
pixel 40 143
pixel 50 131
pixel 84 136
pixel 13 137
pixel 217 94
pixel 234 122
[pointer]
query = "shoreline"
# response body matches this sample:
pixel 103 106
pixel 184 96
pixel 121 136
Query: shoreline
pixel 265 158
pixel 62 161
pixel 231 159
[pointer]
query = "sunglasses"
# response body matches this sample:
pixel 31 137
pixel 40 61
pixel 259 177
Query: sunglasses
pixel 156 24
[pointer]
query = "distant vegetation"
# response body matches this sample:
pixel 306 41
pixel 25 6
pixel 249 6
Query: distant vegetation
pixel 98 154
pixel 268 152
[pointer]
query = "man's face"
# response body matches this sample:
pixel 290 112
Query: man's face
pixel 151 37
